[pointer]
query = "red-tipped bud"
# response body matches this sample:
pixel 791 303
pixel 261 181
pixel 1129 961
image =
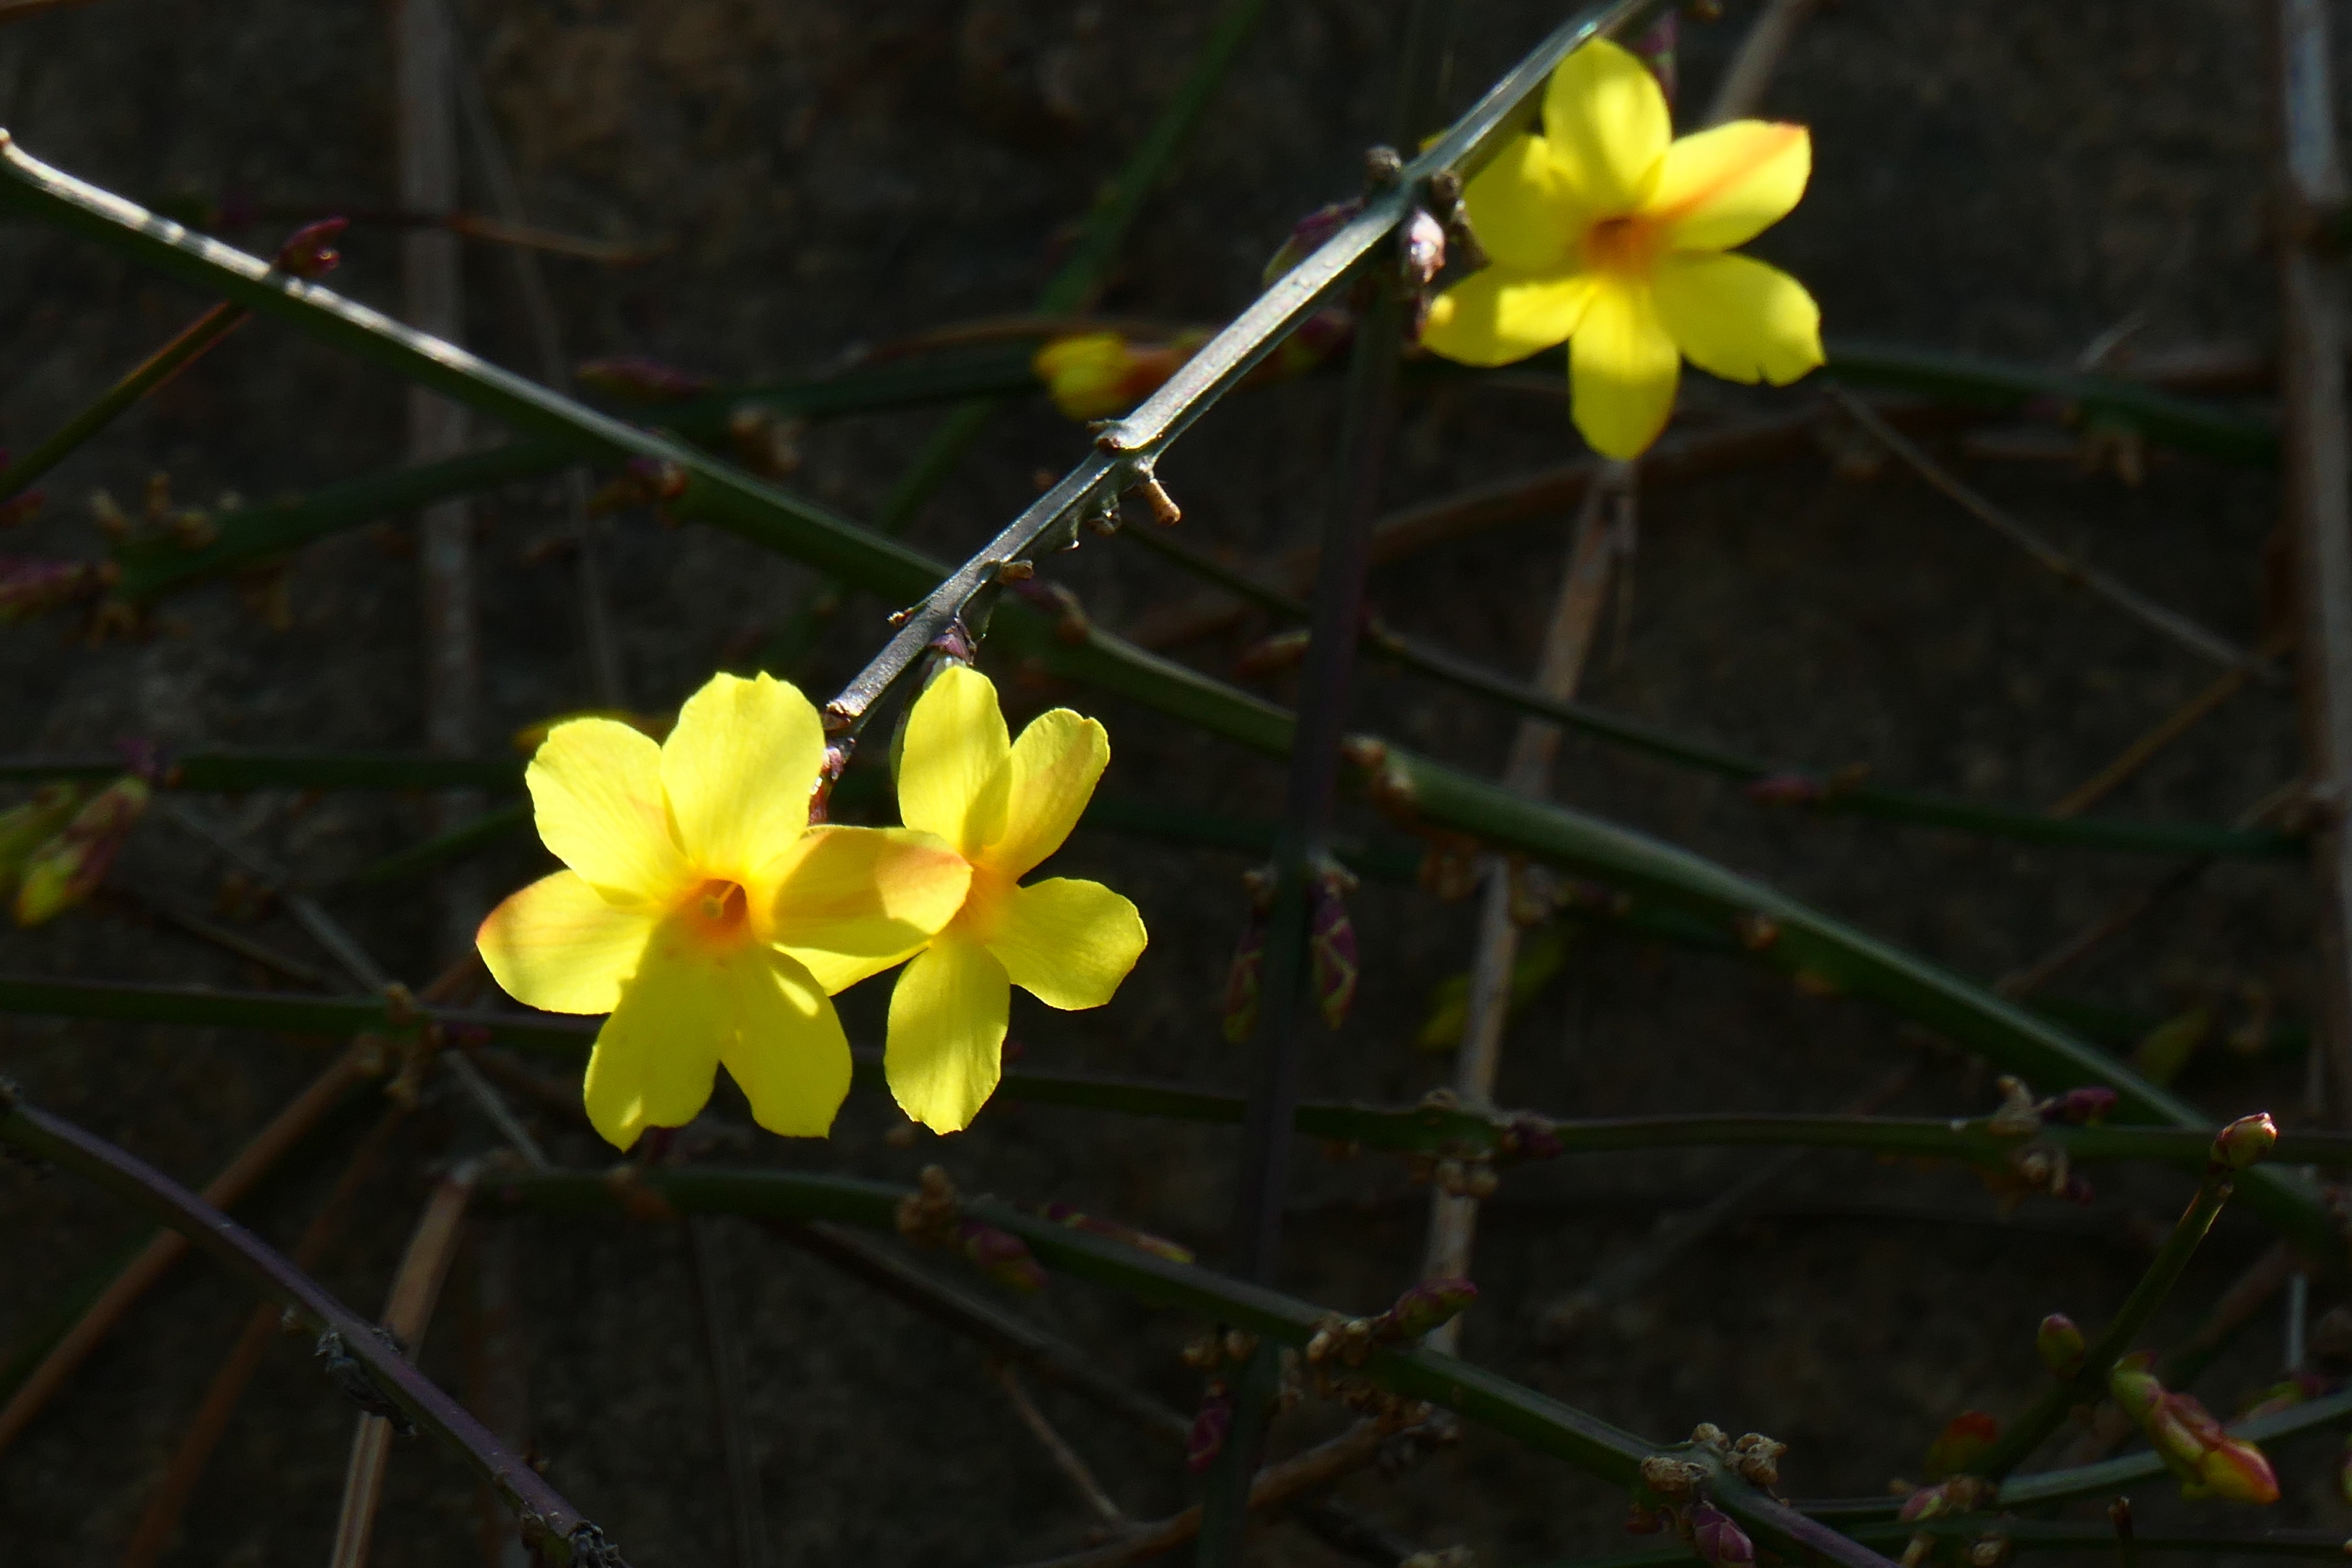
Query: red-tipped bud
pixel 1332 949
pixel 2194 1446
pixel 1212 1424
pixel 2061 1345
pixel 2085 1107
pixel 1425 1307
pixel 2245 1142
pixel 1718 1540
pixel 69 868
pixel 633 378
pixel 309 251
pixel 2236 1471
pixel 1530 1136
pixel 1308 235
pixel 31 587
pixel 1000 1255
pixel 1964 1439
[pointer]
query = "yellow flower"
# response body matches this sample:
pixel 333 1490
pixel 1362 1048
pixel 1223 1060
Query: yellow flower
pixel 692 867
pixel 1607 233
pixel 1003 805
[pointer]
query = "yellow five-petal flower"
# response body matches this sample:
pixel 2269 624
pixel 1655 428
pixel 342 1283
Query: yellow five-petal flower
pixel 1607 233
pixel 1003 805
pixel 691 868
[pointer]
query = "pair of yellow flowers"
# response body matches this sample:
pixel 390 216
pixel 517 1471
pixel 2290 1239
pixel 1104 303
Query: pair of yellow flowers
pixel 701 909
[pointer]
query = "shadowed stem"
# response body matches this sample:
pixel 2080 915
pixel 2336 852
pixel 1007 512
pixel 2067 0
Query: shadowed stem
pixel 2088 1385
pixel 558 1529
pixel 159 367
pixel 706 1251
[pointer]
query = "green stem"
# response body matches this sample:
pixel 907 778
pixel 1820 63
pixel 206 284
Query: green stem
pixel 2088 1385
pixel 159 367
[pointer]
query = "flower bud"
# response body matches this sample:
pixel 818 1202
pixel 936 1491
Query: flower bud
pixel 1425 1307
pixel 2133 1386
pixel 1245 977
pixel 2236 1471
pixel 2060 1344
pixel 31 587
pixel 1964 1441
pixel 1212 1424
pixel 69 868
pixel 309 251
pixel 1143 1240
pixel 1718 1540
pixel 1308 236
pixel 1001 1255
pixel 1331 948
pixel 2084 1107
pixel 1095 375
pixel 2245 1142
pixel 25 828
pixel 635 378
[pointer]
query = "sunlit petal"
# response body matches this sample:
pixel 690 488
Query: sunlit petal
pixel 1498 316
pixel 1067 942
pixel 946 1043
pixel 595 789
pixel 865 891
pixel 952 779
pixel 558 945
pixel 1055 764
pixel 738 770
pixel 836 973
pixel 1623 370
pixel 1725 186
pixel 1525 208
pixel 789 1055
pixel 1737 318
pixel 657 1053
pixel 1606 118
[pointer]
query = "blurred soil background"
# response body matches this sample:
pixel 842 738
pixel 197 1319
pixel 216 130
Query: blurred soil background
pixel 1991 177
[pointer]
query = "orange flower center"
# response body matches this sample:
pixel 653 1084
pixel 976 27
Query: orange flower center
pixel 1627 245
pixel 717 915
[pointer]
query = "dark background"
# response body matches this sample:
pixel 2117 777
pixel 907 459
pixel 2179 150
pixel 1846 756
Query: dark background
pixel 1992 176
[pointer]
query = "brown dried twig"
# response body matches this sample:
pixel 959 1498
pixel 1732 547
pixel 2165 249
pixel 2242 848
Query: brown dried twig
pixel 1057 1449
pixel 2171 727
pixel 1745 80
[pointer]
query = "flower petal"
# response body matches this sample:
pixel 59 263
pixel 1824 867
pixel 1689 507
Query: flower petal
pixel 656 1055
pixel 1737 318
pixel 866 891
pixel 789 1054
pixel 559 946
pixel 945 1048
pixel 738 770
pixel 1055 764
pixel 1497 316
pixel 952 779
pixel 1622 370
pixel 1725 186
pixel 597 790
pixel 1525 208
pixel 1067 942
pixel 1606 118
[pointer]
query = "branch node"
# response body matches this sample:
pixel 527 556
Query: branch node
pixel 1383 166
pixel 350 1375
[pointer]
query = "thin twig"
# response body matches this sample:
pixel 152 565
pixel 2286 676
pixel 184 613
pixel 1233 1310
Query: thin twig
pixel 190 343
pixel 407 1311
pixel 724 1353
pixel 2317 470
pixel 161 1522
pixel 1057 1449
pixel 2171 727
pixel 228 941
pixel 237 1178
pixel 1576 615
pixel 2170 623
pixel 1318 1467
pixel 1745 80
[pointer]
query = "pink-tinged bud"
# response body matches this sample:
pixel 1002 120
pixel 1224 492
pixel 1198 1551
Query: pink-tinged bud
pixel 1332 949
pixel 1212 1424
pixel 1424 249
pixel 2061 1345
pixel 1718 1540
pixel 1246 978
pixel 1002 1256
pixel 309 251
pixel 1531 1137
pixel 1785 789
pixel 2245 1142
pixel 2236 1471
pixel 31 587
pixel 1274 654
pixel 1964 1441
pixel 1308 236
pixel 1111 1230
pixel 1425 1307
pixel 2085 1107
pixel 69 868
pixel 633 378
